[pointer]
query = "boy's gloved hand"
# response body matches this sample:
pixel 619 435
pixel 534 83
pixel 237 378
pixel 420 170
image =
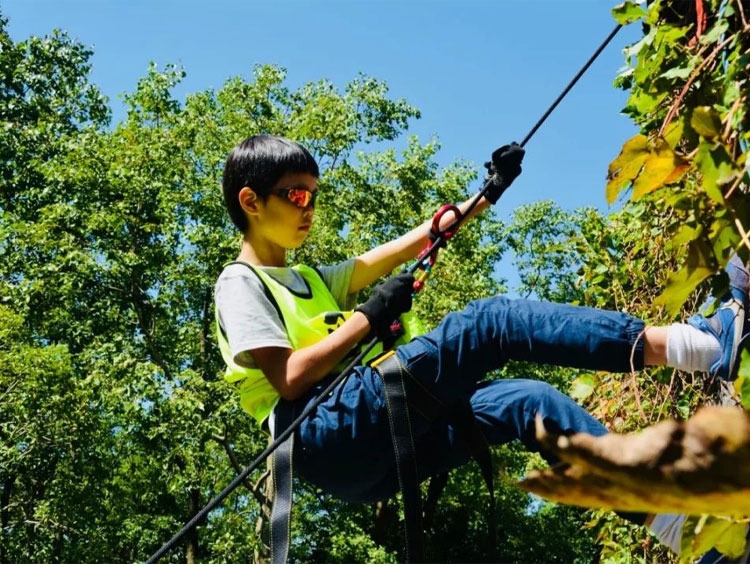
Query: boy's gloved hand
pixel 389 300
pixel 503 169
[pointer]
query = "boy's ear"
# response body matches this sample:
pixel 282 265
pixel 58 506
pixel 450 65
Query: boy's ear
pixel 249 200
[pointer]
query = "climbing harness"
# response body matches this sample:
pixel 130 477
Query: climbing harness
pixel 396 385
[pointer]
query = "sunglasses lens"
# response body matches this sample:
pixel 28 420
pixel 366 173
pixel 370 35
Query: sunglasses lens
pixel 299 197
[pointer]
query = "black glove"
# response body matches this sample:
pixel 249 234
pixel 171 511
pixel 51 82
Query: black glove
pixel 389 300
pixel 503 169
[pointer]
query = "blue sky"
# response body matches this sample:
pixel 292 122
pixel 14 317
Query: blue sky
pixel 481 72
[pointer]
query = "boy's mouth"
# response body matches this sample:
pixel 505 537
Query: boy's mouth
pixel 305 227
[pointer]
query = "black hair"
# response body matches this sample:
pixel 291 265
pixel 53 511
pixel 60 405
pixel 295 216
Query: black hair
pixel 259 162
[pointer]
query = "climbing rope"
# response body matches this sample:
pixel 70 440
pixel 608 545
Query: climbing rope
pixel 425 262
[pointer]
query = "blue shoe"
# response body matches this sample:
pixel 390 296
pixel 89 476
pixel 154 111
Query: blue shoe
pixel 729 323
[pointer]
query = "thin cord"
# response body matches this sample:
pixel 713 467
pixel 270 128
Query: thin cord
pixel 571 84
pixel 454 225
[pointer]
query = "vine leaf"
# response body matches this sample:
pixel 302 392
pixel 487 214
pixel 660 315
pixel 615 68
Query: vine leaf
pixel 742 383
pixel 716 32
pixel 673 133
pixel 628 12
pixel 686 233
pixel 705 121
pixel 702 533
pixel 582 387
pixel 681 284
pixel 626 166
pixel 661 167
pixel 717 169
pixel 724 238
pixel 678 72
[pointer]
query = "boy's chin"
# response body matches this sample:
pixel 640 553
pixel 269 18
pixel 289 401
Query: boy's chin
pixel 296 244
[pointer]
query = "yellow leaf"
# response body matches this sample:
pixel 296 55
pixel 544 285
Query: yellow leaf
pixel 662 166
pixel 677 173
pixel 626 166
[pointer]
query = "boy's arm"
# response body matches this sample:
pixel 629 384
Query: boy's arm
pixel 292 372
pixel 382 260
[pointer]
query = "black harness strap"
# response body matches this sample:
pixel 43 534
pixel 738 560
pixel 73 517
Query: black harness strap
pixel 424 403
pixel 392 374
pixel 281 472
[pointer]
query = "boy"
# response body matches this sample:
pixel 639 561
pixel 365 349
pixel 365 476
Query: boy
pixel 277 337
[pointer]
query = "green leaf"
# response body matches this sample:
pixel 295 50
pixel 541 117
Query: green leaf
pixel 717 169
pixel 626 166
pixel 582 387
pixel 673 133
pixel 678 72
pixel 701 534
pixel 628 12
pixel 681 284
pixel 686 233
pixel 715 33
pixel 724 237
pixel 705 121
pixel 742 383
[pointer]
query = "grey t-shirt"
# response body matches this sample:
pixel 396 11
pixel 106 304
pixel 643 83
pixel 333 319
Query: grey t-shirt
pixel 248 317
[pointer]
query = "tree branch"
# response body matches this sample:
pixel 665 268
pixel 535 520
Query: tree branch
pixel 742 13
pixel 253 488
pixel 673 110
pixel 5 514
pixel 205 330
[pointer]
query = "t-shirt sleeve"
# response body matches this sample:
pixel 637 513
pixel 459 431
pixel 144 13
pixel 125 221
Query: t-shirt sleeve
pixel 248 317
pixel 337 277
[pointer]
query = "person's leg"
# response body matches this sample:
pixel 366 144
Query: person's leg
pixel 506 410
pixel 655 346
pixel 468 344
pixel 729 324
pixel 489 332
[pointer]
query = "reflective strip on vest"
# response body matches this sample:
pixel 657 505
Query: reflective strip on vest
pixel 307 320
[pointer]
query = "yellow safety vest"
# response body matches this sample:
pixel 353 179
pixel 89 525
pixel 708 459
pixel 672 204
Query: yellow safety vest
pixel 307 319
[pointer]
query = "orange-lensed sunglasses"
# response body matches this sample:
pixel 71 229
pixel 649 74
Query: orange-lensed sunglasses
pixel 300 197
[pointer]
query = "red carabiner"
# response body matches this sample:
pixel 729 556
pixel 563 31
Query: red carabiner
pixel 435 233
pixel 435 229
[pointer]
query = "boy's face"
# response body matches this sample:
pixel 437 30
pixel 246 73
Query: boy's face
pixel 279 220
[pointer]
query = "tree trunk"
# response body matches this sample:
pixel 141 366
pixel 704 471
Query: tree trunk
pixel 262 554
pixel 385 516
pixel 5 515
pixel 192 547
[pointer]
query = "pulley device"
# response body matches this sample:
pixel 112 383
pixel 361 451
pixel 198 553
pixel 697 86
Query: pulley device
pixel 496 182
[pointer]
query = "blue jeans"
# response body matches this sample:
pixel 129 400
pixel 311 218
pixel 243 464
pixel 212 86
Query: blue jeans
pixel 345 448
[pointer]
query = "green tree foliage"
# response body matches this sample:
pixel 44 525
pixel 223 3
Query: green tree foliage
pixel 115 424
